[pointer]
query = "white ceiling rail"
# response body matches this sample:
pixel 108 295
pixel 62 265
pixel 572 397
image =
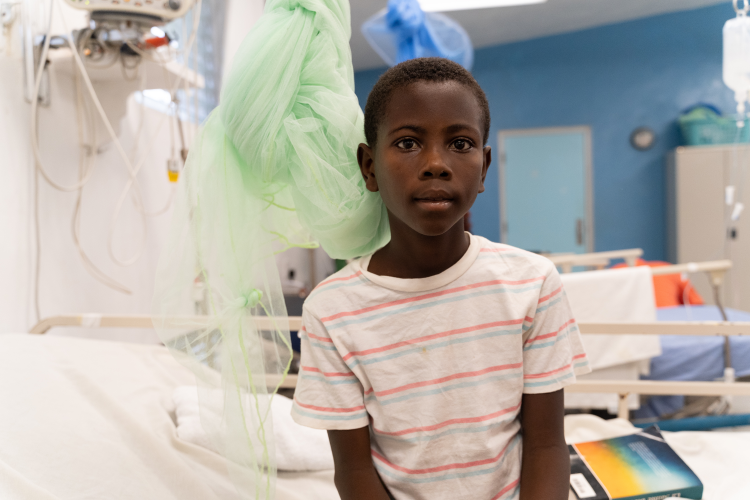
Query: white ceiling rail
pixel 450 5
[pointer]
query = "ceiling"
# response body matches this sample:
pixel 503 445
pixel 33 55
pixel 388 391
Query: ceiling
pixel 488 27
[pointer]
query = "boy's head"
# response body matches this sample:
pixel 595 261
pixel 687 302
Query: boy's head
pixel 426 124
pixel 425 69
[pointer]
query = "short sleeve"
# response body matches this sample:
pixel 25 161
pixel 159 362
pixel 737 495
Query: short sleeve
pixel 552 350
pixel 328 395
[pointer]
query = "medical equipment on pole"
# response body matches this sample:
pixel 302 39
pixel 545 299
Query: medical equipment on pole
pixel 737 58
pixel 118 34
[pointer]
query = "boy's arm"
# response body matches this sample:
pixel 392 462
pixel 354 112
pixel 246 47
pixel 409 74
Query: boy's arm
pixel 545 467
pixel 355 476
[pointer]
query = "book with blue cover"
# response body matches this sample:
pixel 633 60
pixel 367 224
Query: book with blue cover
pixel 641 466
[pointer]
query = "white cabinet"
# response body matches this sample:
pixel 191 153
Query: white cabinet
pixel 697 216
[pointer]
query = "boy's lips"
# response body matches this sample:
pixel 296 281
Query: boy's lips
pixel 434 196
pixel 434 199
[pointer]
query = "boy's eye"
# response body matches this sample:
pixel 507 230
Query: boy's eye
pixel 406 143
pixel 461 144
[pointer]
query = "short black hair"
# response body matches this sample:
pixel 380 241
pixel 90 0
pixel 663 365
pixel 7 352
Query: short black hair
pixel 426 69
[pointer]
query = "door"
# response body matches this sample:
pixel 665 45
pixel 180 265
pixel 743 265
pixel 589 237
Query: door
pixel 545 189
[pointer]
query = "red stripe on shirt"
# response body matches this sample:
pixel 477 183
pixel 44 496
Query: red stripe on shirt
pixel 553 334
pixel 506 489
pixel 546 374
pixel 329 410
pixel 432 337
pixel 445 379
pixel 441 468
pixel 468 420
pixel 429 296
pixel 333 280
pixel 327 374
pixel 316 337
pixel 547 297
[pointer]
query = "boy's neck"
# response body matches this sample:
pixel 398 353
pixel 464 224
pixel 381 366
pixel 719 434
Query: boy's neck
pixel 411 255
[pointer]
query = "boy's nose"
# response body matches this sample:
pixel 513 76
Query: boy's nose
pixel 435 167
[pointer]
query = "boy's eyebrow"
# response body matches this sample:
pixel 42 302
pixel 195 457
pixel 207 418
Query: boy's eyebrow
pixel 451 129
pixel 415 128
pixel 457 127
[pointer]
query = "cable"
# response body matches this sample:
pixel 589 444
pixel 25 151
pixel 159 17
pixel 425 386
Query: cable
pixel 86 153
pixel 37 170
pixel 34 110
pixel 38 253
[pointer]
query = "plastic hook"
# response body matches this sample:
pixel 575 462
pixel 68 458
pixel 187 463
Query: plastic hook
pixel 745 9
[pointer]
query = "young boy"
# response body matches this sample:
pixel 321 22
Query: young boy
pixel 437 363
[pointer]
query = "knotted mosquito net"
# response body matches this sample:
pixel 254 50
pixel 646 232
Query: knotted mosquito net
pixel 274 167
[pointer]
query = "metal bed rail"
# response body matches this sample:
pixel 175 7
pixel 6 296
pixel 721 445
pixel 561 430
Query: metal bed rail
pixel 621 387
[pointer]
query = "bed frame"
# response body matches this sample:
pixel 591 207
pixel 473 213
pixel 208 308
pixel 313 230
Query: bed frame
pixel 597 260
pixel 623 388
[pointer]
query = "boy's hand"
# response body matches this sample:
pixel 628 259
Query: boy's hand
pixel 545 467
pixel 355 477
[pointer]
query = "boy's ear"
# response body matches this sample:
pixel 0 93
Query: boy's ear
pixel 487 154
pixel 366 162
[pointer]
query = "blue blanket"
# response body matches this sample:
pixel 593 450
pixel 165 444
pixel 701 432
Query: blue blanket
pixel 693 358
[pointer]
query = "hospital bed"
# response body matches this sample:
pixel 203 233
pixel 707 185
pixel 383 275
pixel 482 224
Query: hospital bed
pixel 664 358
pixel 84 418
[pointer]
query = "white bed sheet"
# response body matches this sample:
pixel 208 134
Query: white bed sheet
pixel 89 419
pixel 92 420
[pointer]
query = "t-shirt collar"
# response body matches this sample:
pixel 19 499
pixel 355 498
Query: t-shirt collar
pixel 431 282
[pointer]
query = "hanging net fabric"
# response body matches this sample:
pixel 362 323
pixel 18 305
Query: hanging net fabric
pixel 274 167
pixel 403 31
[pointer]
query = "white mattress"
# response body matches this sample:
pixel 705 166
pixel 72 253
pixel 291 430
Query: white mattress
pixel 89 419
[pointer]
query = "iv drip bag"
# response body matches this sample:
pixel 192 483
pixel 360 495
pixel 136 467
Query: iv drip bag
pixel 737 57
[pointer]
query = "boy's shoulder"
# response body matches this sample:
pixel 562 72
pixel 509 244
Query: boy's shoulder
pixel 491 253
pixel 340 284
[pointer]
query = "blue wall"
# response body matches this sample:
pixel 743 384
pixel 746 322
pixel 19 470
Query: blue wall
pixel 613 78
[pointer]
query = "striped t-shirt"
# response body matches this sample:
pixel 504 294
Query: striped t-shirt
pixel 436 367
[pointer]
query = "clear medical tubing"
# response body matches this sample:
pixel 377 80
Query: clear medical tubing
pixel 274 167
pixel 736 67
pixel 403 31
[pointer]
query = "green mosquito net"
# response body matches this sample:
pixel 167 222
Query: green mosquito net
pixel 274 167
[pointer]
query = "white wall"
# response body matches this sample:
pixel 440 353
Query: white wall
pixel 241 15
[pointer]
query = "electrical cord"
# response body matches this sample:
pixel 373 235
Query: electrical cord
pixel 88 152
pixel 34 116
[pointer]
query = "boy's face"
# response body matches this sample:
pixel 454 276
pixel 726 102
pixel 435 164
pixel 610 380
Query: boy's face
pixel 428 163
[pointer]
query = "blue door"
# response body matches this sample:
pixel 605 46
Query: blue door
pixel 545 185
